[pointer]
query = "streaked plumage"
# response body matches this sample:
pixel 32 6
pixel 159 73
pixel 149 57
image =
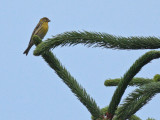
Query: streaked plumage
pixel 40 30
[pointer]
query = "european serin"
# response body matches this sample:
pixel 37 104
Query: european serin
pixel 40 30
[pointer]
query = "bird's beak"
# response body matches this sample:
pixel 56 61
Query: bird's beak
pixel 49 20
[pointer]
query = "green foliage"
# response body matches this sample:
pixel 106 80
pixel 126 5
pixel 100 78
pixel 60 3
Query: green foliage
pixel 75 87
pixel 36 40
pixel 105 109
pixel 150 119
pixel 134 82
pixel 103 112
pixel 134 69
pixel 156 78
pixel 138 99
pixel 134 117
pixel 97 39
pixel 135 100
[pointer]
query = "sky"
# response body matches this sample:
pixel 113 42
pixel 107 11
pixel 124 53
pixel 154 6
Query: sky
pixel 30 89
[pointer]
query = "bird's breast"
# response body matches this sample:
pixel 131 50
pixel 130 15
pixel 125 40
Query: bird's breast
pixel 45 26
pixel 43 30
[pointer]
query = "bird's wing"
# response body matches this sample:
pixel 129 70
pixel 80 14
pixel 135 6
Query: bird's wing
pixel 35 29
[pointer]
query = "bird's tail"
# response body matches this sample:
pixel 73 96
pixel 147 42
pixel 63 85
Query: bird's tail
pixel 27 50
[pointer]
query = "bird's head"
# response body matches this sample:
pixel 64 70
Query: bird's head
pixel 44 19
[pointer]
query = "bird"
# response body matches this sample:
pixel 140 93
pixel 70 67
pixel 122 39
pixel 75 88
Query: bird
pixel 40 30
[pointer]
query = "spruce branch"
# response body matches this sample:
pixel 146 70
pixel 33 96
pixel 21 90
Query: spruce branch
pixel 105 110
pixel 137 81
pixel 128 76
pixel 71 82
pixel 134 117
pixel 97 39
pixel 156 78
pixel 137 99
pixel 150 119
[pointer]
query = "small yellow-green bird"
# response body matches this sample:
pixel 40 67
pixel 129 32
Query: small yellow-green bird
pixel 40 30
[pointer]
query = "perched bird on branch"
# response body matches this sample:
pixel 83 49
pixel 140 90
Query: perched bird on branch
pixel 40 30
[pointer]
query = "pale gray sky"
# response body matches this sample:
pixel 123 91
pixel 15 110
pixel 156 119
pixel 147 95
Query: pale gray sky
pixel 30 90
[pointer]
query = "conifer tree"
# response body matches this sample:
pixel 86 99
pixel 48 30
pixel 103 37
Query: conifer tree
pixel 146 88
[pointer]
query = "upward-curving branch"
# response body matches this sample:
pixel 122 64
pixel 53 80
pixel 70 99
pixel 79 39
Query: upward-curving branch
pixel 134 69
pixel 138 99
pixel 97 39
